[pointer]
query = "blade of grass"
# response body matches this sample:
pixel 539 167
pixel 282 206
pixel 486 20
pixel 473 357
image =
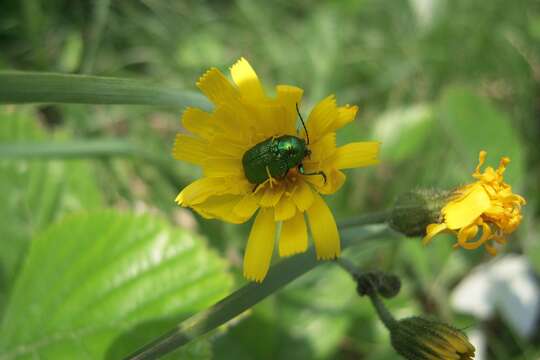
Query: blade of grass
pixel 244 298
pixel 93 35
pixel 30 87
pixel 67 150
pixel 78 149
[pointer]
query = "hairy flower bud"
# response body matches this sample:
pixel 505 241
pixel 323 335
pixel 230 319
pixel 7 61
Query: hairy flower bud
pixel 377 282
pixel 418 338
pixel 416 209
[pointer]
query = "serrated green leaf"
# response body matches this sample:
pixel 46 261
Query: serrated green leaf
pixel 98 285
pixel 34 193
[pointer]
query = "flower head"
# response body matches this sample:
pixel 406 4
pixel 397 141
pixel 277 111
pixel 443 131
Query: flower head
pixel 244 118
pixel 487 205
pixel 418 338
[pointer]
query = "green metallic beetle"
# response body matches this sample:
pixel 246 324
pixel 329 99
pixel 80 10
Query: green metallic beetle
pixel 274 157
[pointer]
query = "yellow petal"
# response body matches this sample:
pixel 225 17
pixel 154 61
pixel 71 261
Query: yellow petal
pixel 217 88
pixel 346 114
pixel 458 214
pixel 293 238
pixel 465 234
pixel 247 81
pixel 356 155
pixel 323 229
pixel 431 231
pixel 469 234
pixel 190 149
pixel 200 190
pixel 198 122
pixel 221 207
pixel 233 122
pixel 248 205
pixel 270 120
pixel 323 148
pixel 334 179
pixel 214 166
pixel 271 196
pixel 321 117
pixel 260 246
pixel 284 209
pixel 227 146
pixel 303 196
pixel 289 96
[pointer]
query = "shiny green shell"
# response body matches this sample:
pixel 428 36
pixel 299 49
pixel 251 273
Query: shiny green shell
pixel 278 154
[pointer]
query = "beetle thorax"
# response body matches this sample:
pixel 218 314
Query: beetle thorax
pixel 292 149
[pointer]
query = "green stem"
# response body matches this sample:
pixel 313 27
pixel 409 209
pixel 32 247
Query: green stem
pixel 382 311
pixel 348 266
pixel 281 274
pixel 377 217
pixel 80 149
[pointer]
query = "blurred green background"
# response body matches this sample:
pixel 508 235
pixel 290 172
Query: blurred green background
pixel 96 258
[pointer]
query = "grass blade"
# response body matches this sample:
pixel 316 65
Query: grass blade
pixel 30 87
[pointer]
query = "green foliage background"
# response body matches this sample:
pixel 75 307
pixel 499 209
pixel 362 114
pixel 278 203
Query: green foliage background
pixel 95 257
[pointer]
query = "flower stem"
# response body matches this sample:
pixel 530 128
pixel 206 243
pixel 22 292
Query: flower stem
pixel 378 217
pixel 382 311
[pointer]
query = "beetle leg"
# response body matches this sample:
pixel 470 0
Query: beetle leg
pixel 315 173
pixel 271 180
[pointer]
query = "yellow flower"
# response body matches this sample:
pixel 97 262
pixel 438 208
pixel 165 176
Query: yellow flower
pixel 244 116
pixel 487 204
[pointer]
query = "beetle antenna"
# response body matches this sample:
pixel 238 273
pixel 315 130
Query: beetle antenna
pixel 303 124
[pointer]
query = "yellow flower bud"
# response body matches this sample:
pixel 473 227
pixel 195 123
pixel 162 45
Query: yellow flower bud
pixel 418 338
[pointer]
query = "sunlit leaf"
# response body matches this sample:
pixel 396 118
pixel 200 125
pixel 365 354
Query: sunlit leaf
pixel 101 284
pixel 34 193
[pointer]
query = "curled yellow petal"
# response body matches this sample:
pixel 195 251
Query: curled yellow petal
pixel 323 229
pixel 432 230
pixel 260 246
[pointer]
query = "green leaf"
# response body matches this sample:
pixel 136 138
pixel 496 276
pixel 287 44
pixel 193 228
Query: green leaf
pixel 29 87
pixel 34 193
pixel 98 285
pixel 473 124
